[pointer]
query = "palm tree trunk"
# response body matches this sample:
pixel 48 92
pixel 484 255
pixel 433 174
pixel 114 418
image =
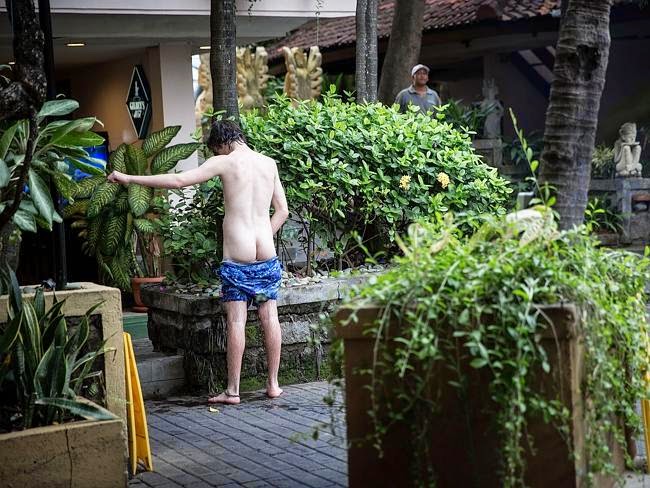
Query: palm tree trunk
pixel 366 51
pixel 223 34
pixel 403 49
pixel 572 117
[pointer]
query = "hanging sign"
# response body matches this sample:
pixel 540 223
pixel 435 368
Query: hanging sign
pixel 138 102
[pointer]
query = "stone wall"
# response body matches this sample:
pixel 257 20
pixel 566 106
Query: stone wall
pixel 195 326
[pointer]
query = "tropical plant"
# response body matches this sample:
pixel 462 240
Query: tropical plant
pixel 58 149
pixel 366 170
pixel 189 227
pixel 469 118
pixel 602 162
pixel 601 216
pixel 116 221
pixel 455 298
pixel 515 153
pixel 45 366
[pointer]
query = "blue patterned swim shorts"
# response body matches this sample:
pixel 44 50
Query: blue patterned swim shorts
pixel 254 282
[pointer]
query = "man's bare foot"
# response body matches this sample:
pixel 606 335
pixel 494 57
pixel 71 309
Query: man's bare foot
pixel 273 391
pixel 226 398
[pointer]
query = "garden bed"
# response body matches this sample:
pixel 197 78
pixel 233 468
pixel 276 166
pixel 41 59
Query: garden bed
pixel 195 326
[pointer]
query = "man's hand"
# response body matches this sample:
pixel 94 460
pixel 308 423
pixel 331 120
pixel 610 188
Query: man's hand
pixel 117 177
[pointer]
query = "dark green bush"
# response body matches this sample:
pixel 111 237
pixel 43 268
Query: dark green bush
pixel 369 170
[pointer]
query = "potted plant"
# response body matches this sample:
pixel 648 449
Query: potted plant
pixel 46 375
pixel 451 360
pixel 118 222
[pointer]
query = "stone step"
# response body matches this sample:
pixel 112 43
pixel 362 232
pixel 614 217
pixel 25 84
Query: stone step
pixel 161 375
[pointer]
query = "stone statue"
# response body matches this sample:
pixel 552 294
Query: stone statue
pixel 251 76
pixel 204 100
pixel 304 79
pixel 627 152
pixel 494 108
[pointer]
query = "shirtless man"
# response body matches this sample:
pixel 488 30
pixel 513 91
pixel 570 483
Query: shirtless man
pixel 250 271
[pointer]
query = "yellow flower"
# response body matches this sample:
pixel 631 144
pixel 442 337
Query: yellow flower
pixel 443 178
pixel 405 182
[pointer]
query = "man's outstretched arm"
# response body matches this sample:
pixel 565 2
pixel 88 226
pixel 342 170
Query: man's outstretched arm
pixel 212 167
pixel 279 203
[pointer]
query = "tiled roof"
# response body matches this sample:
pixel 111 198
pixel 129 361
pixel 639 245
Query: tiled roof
pixel 438 14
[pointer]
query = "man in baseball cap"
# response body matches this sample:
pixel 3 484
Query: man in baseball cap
pixel 418 94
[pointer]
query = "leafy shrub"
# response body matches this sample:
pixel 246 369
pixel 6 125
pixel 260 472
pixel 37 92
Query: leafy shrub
pixel 514 152
pixel 601 216
pixel 190 230
pixel 351 169
pixel 485 312
pixel 466 117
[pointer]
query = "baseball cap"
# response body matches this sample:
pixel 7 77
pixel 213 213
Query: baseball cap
pixel 418 67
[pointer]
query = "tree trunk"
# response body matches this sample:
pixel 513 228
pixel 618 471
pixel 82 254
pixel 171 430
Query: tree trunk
pixel 572 117
pixel 366 51
pixel 23 97
pixel 403 49
pixel 223 34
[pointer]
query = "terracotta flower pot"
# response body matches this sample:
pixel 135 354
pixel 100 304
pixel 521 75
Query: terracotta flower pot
pixel 136 283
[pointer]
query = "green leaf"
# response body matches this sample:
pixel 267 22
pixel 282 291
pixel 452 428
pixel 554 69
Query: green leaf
pixel 156 141
pixel 78 125
pixel 136 161
pixel 170 156
pixel 9 335
pixel 5 140
pixel 139 198
pixel 57 108
pixel 113 234
pixel 87 168
pixel 5 174
pixel 80 139
pixel 25 220
pixel 64 185
pixel 145 226
pixel 478 363
pixel 85 187
pixel 40 195
pixel 117 159
pixel 102 196
pixel 80 407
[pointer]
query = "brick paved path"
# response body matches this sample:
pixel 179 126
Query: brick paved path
pixel 258 443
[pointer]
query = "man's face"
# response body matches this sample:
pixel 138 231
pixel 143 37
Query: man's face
pixel 421 77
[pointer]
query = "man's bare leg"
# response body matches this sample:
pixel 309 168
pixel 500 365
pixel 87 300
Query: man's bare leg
pixel 268 313
pixel 236 317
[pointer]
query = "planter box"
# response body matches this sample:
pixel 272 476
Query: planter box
pixel 452 449
pixel 73 455
pixel 195 326
pixel 105 324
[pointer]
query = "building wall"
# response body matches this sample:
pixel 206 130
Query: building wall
pixel 101 90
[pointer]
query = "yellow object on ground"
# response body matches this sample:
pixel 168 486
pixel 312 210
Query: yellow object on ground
pixel 139 447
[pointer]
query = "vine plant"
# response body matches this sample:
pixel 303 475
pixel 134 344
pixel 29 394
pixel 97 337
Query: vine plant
pixel 473 299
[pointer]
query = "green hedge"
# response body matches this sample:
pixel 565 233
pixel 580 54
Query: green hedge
pixel 370 169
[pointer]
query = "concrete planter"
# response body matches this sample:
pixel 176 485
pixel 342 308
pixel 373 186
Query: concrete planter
pixel 73 455
pixel 105 324
pixel 457 457
pixel 195 326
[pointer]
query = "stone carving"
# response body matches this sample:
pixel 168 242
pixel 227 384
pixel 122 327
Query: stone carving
pixel 204 100
pixel 627 152
pixel 492 105
pixel 304 77
pixel 252 76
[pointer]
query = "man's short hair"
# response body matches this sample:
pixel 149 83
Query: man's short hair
pixel 224 133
